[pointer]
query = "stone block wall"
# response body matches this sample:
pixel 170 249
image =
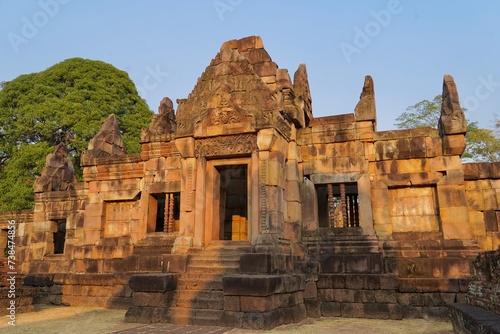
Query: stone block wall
pixel 385 296
pixel 102 290
pixel 417 189
pixel 331 145
pixel 480 312
pixel 482 193
pixel 484 288
pixel 263 301
pixel 152 297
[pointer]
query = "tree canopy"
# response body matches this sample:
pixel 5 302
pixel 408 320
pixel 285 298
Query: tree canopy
pixel 482 144
pixel 66 103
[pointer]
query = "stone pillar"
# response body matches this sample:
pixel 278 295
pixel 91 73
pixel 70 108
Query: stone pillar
pixel 272 147
pixel 293 228
pixel 188 195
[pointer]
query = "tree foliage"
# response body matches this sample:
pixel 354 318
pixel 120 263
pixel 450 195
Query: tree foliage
pixel 66 103
pixel 482 144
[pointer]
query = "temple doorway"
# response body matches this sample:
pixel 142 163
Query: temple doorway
pixel 233 209
pixel 227 201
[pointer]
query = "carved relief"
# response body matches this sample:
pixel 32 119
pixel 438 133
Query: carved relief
pixel 283 127
pixel 263 180
pixel 222 108
pixel 189 185
pixel 226 145
pixel 229 98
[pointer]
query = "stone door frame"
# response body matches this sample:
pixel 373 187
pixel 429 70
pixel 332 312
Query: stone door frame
pixel 212 193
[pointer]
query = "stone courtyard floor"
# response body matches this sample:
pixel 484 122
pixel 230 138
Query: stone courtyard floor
pixel 51 319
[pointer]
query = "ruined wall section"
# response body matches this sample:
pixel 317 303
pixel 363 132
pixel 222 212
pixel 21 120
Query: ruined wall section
pixel 482 193
pixel 335 150
pixel 407 165
pixel 428 161
pixel 56 213
pixel 122 197
pixel 419 195
pixel 23 228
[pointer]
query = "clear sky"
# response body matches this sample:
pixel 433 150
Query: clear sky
pixel 405 45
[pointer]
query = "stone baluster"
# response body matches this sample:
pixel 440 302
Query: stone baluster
pixel 331 206
pixel 166 213
pixel 343 202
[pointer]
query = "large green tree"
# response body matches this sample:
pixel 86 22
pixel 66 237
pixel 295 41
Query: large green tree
pixel 482 144
pixel 66 103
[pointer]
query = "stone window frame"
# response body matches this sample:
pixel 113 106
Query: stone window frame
pixel 363 182
pixel 171 211
pixel 339 196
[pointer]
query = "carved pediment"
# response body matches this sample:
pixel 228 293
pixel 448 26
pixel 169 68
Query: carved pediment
pixel 242 91
pixel 235 94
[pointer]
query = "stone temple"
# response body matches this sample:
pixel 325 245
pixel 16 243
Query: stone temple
pixel 245 210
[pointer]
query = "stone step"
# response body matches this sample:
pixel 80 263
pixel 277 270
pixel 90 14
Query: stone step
pixel 189 316
pixel 233 269
pixel 211 261
pixel 226 251
pixel 223 247
pixel 349 249
pixel 352 263
pixel 154 244
pixel 200 284
pixel 200 294
pixel 213 300
pixel 448 245
pixel 340 238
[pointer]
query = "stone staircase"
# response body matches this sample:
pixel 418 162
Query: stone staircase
pixel 147 255
pixel 199 298
pixel 352 281
pixel 348 251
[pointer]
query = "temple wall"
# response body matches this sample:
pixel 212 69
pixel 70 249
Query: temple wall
pixel 482 193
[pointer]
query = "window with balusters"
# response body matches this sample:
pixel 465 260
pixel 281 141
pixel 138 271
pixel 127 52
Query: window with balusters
pixel 338 205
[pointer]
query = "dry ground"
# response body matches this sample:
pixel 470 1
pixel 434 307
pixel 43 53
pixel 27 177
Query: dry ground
pixel 50 319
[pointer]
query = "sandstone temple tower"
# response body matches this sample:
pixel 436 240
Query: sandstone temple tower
pixel 246 210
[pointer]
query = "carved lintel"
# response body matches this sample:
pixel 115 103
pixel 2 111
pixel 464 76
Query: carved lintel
pixel 226 145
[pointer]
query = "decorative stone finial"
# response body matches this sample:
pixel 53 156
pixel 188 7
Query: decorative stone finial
pixel 365 110
pixel 58 173
pixel 452 120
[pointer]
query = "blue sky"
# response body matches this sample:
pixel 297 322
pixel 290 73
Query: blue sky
pixel 405 45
